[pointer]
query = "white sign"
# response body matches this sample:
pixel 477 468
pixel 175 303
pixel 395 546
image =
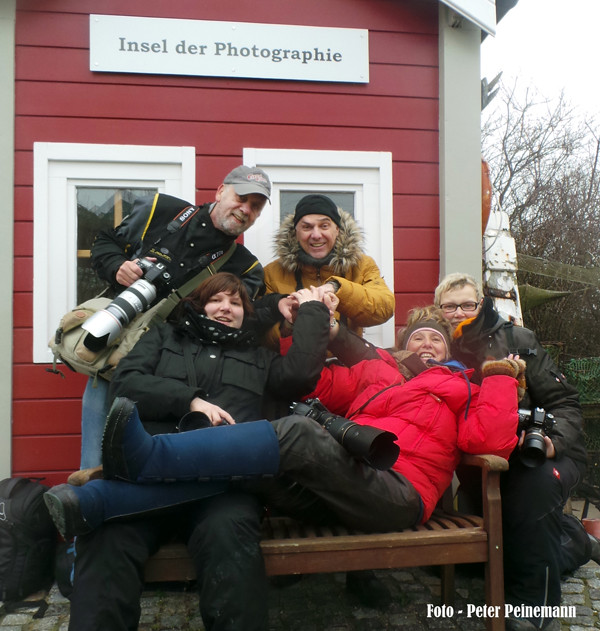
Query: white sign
pixel 228 49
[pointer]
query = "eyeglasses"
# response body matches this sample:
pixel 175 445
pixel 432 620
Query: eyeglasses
pixel 467 307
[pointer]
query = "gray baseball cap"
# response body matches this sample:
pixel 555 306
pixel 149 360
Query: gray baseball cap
pixel 246 180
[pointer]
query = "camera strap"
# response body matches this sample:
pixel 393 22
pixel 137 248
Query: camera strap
pixel 172 300
pixel 512 348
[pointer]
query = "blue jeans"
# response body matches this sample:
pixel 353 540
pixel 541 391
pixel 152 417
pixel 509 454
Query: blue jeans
pixel 95 406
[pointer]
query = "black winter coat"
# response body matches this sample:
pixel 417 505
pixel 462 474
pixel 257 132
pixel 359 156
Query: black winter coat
pixel 237 377
pixel 489 336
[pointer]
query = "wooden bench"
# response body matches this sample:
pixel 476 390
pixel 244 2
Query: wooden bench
pixel 448 538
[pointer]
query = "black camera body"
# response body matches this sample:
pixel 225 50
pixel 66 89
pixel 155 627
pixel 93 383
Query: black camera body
pixel 374 446
pixel 155 273
pixel 536 423
pixel 105 325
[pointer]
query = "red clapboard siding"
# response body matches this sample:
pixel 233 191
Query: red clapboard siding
pixel 45 453
pixel 72 65
pixel 23 273
pixel 417 275
pixel 58 99
pixel 414 178
pixel 47 416
pixel 416 244
pixel 23 168
pixel 22 346
pixel 414 145
pixel 66 27
pixel 416 211
pixel 223 105
pixel 22 310
pixel 24 201
pixel 23 237
pixel 407 301
pixel 31 381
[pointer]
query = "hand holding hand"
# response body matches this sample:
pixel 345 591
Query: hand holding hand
pixel 308 295
pixel 331 301
pixel 288 307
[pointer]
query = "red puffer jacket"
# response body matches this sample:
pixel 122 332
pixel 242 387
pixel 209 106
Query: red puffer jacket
pixel 435 415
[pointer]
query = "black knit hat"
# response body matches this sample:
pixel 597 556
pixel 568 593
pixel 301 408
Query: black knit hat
pixel 317 205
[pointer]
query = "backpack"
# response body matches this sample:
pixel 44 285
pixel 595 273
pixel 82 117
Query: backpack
pixel 67 343
pixel 27 542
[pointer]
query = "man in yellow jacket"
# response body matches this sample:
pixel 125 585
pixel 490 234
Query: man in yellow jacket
pixel 321 245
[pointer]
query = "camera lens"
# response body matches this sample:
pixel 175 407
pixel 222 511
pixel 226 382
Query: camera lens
pixel 533 451
pixel 104 326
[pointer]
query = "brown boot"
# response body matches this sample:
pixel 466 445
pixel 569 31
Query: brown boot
pixel 81 477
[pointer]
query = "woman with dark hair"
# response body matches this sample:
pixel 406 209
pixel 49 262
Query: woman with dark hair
pixel 205 364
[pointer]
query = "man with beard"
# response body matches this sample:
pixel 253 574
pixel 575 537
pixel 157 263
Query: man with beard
pixel 186 239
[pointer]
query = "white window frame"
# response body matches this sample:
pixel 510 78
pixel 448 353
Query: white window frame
pixel 366 173
pixel 59 168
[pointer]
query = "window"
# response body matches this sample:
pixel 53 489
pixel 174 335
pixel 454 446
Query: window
pixel 99 209
pixel 78 190
pixel 358 181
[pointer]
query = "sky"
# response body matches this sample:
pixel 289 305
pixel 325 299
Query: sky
pixel 552 45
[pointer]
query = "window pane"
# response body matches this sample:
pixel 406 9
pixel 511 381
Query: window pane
pixel 99 209
pixel 289 199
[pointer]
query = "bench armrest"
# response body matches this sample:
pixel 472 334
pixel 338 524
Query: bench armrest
pixel 488 462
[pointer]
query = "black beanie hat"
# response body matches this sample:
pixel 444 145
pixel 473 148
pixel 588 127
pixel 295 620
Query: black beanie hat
pixel 317 205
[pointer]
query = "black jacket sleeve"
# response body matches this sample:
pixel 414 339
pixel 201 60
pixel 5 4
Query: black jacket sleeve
pixel 350 348
pixel 111 248
pixel 154 395
pixel 295 374
pixel 547 388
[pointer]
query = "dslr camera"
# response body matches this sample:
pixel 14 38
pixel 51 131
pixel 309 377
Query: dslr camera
pixel 374 446
pixel 537 424
pixel 105 325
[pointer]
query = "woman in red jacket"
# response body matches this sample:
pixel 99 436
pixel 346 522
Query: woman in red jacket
pixel 427 402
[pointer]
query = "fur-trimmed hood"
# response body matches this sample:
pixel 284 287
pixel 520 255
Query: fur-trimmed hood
pixel 347 250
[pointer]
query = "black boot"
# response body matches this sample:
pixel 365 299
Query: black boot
pixel 63 505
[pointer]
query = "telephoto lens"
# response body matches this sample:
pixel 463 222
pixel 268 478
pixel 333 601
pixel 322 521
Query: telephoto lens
pixel 106 325
pixel 376 447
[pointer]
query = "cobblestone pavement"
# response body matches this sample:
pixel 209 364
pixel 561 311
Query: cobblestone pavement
pixel 320 603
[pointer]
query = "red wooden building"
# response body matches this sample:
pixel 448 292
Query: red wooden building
pixel 171 96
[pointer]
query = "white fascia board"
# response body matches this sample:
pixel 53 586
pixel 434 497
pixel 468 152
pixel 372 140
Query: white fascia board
pixel 480 12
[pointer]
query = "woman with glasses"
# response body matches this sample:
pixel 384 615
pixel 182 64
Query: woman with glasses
pixel 540 543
